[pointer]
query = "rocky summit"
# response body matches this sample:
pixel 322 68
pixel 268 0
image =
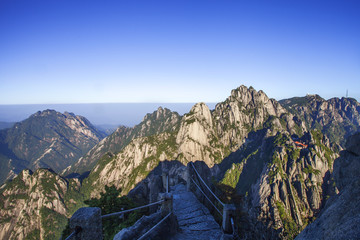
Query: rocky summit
pixel 282 165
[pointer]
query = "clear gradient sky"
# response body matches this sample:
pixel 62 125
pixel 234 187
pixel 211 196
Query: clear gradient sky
pixel 72 51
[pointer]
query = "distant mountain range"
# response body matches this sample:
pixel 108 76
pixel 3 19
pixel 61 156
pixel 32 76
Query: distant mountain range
pixel 47 139
pixel 275 158
pixel 126 114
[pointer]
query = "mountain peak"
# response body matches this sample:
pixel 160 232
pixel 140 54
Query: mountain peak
pixel 47 139
pixel 314 97
pixel 158 114
pixel 200 107
pixel 44 113
pixel 247 95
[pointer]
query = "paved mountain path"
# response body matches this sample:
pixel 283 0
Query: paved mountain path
pixel 195 220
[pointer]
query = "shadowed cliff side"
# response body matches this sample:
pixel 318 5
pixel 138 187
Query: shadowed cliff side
pixel 340 218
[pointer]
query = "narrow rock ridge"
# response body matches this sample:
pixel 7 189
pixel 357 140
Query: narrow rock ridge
pixel 161 120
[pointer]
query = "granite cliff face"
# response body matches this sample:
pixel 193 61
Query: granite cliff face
pixel 340 218
pixel 211 136
pixel 46 139
pixel 292 187
pixel 37 205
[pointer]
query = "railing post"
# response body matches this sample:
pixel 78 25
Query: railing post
pixel 167 205
pixel 165 180
pixel 188 177
pixel 88 219
pixel 122 216
pixel 229 209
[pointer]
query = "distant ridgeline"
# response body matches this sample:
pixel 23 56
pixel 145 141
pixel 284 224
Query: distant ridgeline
pixel 100 114
pixel 274 160
pixel 46 139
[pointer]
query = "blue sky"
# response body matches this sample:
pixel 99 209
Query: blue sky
pixel 176 51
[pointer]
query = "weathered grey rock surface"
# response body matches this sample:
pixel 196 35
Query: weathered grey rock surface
pixel 340 219
pixel 195 220
pixel 89 219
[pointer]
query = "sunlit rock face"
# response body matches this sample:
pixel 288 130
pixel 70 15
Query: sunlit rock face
pixel 161 120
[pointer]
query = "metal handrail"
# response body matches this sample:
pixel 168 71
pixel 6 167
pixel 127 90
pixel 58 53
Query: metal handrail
pixel 142 237
pixel 76 231
pixel 130 210
pixel 167 183
pixel 232 225
pixel 206 196
pixel 207 185
pixel 71 236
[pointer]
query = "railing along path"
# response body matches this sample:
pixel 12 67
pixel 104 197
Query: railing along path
pixel 130 210
pixel 226 217
pixel 202 180
pixel 79 229
pixel 227 220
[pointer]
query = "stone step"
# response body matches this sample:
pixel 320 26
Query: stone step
pixel 195 220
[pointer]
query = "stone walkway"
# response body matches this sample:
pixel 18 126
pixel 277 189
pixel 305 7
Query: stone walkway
pixel 195 220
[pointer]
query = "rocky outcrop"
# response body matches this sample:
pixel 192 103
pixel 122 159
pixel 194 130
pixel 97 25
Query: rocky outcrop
pixel 285 186
pixel 245 110
pixel 212 136
pixel 36 205
pixel 196 131
pixel 293 187
pixel 46 139
pixel 340 218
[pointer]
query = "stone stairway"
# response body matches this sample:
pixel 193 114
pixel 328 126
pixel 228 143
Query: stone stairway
pixel 195 220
